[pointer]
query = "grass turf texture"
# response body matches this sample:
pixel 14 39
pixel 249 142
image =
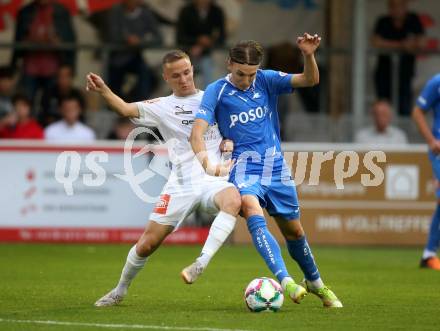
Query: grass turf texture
pixel 381 289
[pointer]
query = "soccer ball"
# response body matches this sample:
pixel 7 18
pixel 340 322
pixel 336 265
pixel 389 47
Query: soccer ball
pixel 263 294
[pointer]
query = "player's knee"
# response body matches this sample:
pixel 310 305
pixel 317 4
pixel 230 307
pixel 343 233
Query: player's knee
pixel 146 245
pixel 231 202
pixel 249 209
pixel 294 234
pixel 293 231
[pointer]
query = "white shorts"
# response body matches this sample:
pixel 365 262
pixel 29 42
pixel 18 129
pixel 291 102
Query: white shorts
pixel 177 201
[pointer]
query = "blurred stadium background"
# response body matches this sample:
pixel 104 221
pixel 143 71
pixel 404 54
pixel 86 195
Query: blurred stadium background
pixel 324 119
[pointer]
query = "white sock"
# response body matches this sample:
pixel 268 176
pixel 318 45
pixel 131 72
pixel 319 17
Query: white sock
pixel 317 283
pixel 220 229
pixel 285 281
pixel 427 254
pixel 132 266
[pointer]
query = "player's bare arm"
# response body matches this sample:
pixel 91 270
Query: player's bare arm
pixel 199 147
pixel 96 83
pixel 419 117
pixel 310 76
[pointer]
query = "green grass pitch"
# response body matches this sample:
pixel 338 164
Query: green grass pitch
pixel 381 289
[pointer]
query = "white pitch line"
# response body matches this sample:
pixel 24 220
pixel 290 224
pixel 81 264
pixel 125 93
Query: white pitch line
pixel 114 326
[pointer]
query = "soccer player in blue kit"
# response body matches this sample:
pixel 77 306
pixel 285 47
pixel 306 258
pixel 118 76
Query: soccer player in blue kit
pixel 244 105
pixel 429 99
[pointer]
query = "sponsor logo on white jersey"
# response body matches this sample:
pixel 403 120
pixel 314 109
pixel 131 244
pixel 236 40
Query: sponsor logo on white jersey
pixel 181 111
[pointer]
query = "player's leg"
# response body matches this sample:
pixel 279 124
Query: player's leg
pixel 429 258
pixel 282 204
pixel 224 200
pixel 268 247
pixel 149 241
pixel 174 204
pixel 300 251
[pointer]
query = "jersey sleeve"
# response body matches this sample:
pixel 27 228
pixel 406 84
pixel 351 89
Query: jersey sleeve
pixel 149 113
pixel 209 102
pixel 278 82
pixel 430 94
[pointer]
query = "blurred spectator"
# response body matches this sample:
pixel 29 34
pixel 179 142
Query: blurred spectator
pixel 19 124
pixel 201 27
pixel 42 23
pixel 287 57
pixel 69 128
pixel 132 24
pixel 381 132
pixel 122 129
pixel 49 111
pixel 6 90
pixel 402 31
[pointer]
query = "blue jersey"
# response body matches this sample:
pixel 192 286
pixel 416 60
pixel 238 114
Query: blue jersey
pixel 429 99
pixel 249 118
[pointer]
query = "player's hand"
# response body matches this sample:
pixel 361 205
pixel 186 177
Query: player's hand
pixel 220 170
pixel 95 83
pixel 226 146
pixel 308 43
pixel 434 146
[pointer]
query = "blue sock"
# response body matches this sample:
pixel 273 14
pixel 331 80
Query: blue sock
pixel 300 251
pixel 434 231
pixel 267 246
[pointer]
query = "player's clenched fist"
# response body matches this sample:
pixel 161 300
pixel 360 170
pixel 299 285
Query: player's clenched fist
pixel 95 83
pixel 308 43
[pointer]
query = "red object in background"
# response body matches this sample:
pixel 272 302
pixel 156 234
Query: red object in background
pixel 30 175
pixel 432 44
pixel 29 130
pixel 98 5
pixel 427 20
pixel 93 5
pixel 13 6
pixel 71 5
pixel 10 8
pixel 183 236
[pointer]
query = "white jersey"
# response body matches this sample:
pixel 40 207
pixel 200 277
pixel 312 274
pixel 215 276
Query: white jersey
pixel 174 117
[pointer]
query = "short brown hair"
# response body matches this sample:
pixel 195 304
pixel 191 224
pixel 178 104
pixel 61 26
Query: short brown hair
pixel 174 56
pixel 247 52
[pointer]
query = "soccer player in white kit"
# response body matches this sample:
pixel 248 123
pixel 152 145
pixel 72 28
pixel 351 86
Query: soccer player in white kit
pixel 188 186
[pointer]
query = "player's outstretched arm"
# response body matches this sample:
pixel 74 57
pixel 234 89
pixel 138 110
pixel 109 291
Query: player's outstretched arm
pixel 198 145
pixel 310 76
pixel 418 116
pixel 96 83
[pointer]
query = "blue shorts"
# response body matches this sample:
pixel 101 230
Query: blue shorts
pixel 435 163
pixel 278 195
